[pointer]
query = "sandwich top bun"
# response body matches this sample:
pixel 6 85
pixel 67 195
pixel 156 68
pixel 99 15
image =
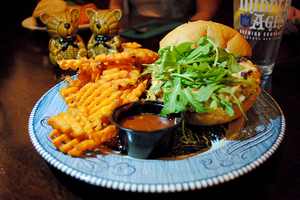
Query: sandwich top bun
pixel 224 36
pixel 229 39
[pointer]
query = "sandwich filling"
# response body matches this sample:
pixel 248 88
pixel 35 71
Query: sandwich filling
pixel 201 77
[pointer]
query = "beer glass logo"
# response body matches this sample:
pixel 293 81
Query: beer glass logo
pixel 265 14
pixel 245 20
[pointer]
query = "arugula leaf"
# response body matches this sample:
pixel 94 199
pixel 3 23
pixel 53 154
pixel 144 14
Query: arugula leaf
pixel 159 86
pixel 227 90
pixel 193 102
pixel 217 52
pixel 172 94
pixel 183 48
pixel 233 66
pixel 200 52
pixel 228 107
pixel 163 49
pixel 168 60
pixel 202 40
pixel 205 92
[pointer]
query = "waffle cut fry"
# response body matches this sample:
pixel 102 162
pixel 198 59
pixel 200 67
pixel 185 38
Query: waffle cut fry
pixel 90 70
pixel 85 124
pixel 102 85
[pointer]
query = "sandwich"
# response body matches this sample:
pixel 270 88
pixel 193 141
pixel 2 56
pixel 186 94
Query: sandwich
pixel 204 70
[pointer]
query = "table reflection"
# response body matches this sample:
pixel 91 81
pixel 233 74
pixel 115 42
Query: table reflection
pixel 266 84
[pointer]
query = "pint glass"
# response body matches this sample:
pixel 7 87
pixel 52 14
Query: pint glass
pixel 262 22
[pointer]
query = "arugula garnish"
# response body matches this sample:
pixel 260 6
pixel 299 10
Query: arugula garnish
pixel 196 66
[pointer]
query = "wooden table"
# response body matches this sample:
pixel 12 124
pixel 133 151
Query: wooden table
pixel 26 74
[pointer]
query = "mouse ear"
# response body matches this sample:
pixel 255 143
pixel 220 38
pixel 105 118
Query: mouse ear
pixel 89 12
pixel 44 17
pixel 75 11
pixel 118 13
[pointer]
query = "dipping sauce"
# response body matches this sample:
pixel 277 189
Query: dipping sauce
pixel 146 122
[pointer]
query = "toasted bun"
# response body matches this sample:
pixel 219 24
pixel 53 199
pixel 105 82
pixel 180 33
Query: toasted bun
pixel 210 119
pixel 224 36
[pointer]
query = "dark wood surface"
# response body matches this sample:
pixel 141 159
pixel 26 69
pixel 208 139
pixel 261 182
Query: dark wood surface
pixel 26 74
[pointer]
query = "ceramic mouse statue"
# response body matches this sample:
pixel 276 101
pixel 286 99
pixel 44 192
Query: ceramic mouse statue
pixel 65 43
pixel 105 26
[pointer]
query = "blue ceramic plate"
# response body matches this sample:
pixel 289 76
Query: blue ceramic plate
pixel 246 145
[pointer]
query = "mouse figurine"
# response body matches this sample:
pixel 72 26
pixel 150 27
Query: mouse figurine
pixel 65 43
pixel 105 26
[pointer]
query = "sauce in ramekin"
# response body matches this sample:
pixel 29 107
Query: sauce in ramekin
pixel 146 122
